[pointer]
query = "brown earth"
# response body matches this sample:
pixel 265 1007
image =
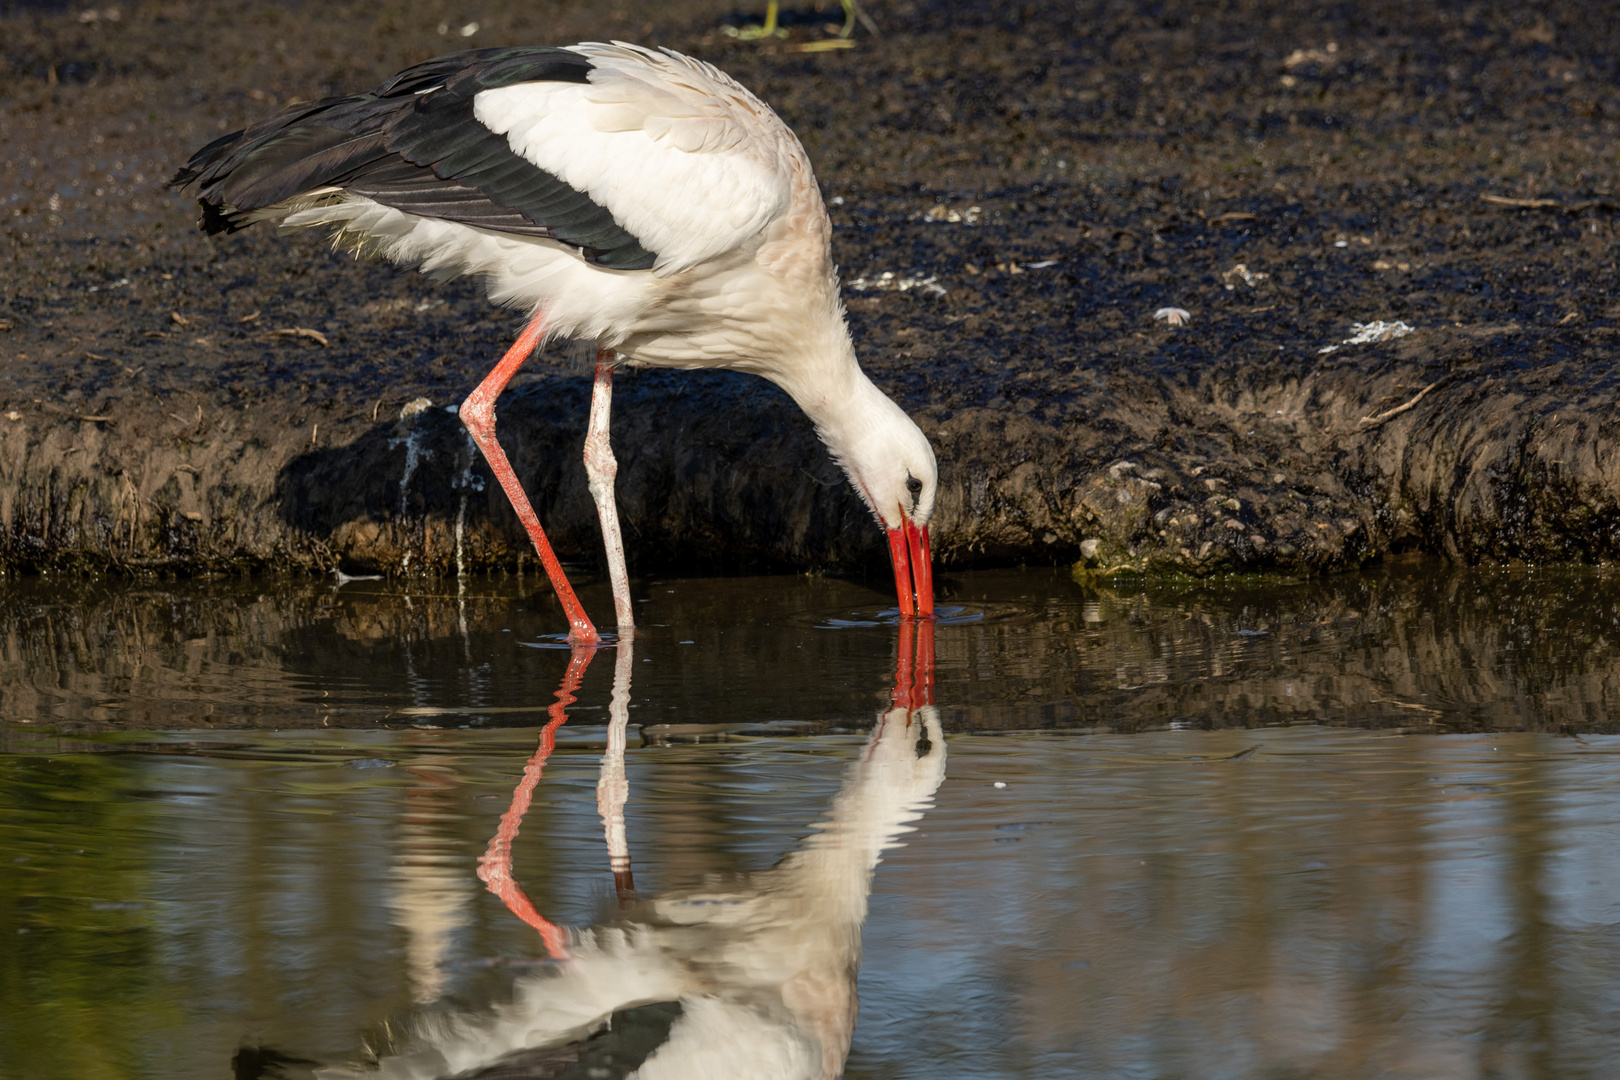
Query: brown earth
pixel 1281 172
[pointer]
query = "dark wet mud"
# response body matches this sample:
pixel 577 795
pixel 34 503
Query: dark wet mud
pixel 1016 193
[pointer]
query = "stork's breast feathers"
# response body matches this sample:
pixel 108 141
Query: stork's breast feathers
pixel 690 166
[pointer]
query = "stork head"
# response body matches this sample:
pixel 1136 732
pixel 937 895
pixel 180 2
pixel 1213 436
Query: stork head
pixel 892 465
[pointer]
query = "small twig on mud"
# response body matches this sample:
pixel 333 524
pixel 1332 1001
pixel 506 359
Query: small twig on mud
pixel 1578 207
pixel 303 332
pixel 826 45
pixel 1522 204
pixel 1373 421
pixel 248 318
pixel 1236 215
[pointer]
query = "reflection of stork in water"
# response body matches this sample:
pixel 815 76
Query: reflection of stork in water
pixel 752 977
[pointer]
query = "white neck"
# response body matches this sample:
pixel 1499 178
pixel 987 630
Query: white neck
pixel 849 412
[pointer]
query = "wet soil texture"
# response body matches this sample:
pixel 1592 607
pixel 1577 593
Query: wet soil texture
pixel 1391 228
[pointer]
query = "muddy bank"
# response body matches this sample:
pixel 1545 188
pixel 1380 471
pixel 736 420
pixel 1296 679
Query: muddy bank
pixel 168 402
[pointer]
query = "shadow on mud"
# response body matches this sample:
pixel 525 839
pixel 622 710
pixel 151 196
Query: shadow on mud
pixel 717 471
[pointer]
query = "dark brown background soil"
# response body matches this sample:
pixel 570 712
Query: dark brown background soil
pixel 1345 152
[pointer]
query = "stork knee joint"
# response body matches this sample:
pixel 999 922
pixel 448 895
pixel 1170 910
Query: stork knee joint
pixel 599 459
pixel 475 414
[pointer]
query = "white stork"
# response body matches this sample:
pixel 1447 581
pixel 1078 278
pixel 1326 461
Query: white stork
pixel 640 199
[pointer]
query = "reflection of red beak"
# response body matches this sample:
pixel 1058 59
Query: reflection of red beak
pixel 914 673
pixel 913 570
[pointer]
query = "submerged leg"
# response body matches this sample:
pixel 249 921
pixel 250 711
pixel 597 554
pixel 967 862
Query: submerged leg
pixel 600 469
pixel 478 413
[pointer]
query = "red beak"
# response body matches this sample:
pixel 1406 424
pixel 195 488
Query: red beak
pixel 913 570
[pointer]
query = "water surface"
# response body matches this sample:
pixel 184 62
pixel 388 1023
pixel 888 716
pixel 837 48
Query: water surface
pixel 1354 827
pixel 1412 646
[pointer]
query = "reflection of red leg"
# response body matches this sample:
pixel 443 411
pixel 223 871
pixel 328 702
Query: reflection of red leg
pixel 495 868
pixel 478 413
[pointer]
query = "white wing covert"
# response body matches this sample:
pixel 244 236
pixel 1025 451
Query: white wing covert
pixel 685 159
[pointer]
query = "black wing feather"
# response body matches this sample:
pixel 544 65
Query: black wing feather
pixel 308 156
pixel 416 190
pixel 414 144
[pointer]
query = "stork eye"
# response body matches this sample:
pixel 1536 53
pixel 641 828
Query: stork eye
pixel 914 485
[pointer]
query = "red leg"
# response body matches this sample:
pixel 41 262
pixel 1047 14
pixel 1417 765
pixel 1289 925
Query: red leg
pixel 495 867
pixel 478 413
